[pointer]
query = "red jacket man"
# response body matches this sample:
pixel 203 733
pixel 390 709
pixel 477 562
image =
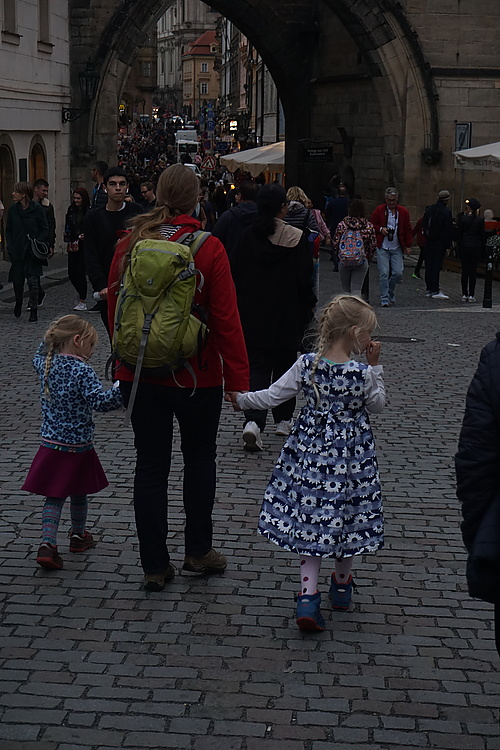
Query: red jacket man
pixel 394 237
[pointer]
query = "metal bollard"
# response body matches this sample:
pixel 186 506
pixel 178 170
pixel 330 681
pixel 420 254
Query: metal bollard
pixel 488 279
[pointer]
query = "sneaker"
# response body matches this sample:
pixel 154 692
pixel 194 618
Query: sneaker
pixel 81 306
pixel 384 304
pixel 81 542
pixel 41 297
pixel 95 309
pixel 392 300
pixel 251 437
pixel 465 298
pixel 283 428
pixel 471 299
pixel 157 581
pixel 416 276
pixel 212 562
pixel 307 614
pixel 428 294
pixel 340 593
pixel 440 295
pixel 48 557
pixel 33 316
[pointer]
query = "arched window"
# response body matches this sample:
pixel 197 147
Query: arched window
pixel 37 163
pixel 7 179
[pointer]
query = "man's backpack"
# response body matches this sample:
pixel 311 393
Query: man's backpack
pixel 154 327
pixel 351 248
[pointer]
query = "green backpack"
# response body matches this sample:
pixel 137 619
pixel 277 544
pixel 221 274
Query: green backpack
pixel 154 327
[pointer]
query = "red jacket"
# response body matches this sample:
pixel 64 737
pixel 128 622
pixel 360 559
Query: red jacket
pixel 224 357
pixel 379 219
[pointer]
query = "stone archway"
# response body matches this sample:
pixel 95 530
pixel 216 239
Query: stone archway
pixel 383 66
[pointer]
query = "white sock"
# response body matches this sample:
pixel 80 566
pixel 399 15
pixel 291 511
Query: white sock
pixel 343 569
pixel 309 573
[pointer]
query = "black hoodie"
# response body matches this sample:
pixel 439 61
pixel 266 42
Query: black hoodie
pixel 231 224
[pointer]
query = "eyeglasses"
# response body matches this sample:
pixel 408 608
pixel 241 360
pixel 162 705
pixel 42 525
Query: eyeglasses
pixel 143 192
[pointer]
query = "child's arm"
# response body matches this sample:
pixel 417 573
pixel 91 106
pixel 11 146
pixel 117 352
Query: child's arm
pixel 92 390
pixel 374 389
pixel 286 387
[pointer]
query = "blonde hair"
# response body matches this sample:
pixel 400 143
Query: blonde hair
pixel 336 320
pixel 177 193
pixel 296 194
pixel 58 334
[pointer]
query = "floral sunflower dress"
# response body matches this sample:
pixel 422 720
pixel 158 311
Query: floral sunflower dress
pixel 324 497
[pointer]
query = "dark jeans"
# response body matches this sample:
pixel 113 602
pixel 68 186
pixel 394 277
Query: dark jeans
pixel 434 256
pixel 469 259
pixel 420 261
pixel 76 273
pixel 198 416
pixel 103 309
pixel 33 289
pixel 266 366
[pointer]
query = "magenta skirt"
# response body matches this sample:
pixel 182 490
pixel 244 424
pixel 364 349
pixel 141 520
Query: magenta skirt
pixel 55 473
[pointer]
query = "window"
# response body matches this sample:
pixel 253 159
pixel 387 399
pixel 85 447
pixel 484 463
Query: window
pixel 203 88
pixel 204 67
pixel 43 21
pixel 9 16
pixel 146 70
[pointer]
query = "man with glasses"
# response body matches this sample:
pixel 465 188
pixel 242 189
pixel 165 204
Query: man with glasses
pixel 101 229
pixel 148 196
pixel 394 237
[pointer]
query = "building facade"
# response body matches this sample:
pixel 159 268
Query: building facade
pixel 200 78
pixel 34 93
pixel 136 104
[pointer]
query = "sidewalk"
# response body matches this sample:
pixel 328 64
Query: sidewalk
pixel 90 661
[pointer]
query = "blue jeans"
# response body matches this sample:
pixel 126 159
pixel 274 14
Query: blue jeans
pixel 390 269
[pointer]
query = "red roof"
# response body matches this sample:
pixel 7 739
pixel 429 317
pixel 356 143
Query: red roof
pixel 202 45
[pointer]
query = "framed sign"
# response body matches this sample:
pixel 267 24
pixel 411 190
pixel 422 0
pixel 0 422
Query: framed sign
pixel 463 135
pixel 317 154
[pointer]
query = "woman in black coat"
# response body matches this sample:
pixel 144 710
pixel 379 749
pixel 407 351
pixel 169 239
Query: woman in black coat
pixel 471 245
pixel 272 271
pixel 477 466
pixel 25 219
pixel 73 235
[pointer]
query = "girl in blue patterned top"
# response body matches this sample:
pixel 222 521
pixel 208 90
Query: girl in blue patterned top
pixel 66 462
pixel 324 498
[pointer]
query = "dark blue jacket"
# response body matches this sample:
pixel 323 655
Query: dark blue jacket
pixel 477 464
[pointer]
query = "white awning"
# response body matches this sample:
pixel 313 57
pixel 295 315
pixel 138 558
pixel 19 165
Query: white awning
pixel 270 158
pixel 479 159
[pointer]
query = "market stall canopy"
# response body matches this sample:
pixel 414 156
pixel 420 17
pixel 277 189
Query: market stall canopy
pixel 479 159
pixel 270 158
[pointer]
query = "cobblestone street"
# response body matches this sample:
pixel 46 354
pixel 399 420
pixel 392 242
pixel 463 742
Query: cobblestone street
pixel 90 661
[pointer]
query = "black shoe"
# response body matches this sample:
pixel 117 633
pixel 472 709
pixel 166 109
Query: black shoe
pixel 95 309
pixel 33 316
pixel 18 308
pixel 41 297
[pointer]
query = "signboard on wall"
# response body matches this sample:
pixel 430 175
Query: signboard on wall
pixel 463 135
pixel 316 154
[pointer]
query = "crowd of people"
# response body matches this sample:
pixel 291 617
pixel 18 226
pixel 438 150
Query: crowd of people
pixel 254 310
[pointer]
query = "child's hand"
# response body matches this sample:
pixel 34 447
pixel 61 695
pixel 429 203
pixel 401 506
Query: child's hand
pixel 230 397
pixel 373 352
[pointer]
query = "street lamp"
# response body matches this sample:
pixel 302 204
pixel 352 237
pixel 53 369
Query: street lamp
pixel 89 81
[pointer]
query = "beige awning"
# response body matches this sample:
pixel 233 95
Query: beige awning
pixel 479 159
pixel 270 158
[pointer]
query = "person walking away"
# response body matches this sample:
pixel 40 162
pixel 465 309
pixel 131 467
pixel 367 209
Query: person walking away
pixel 41 196
pixel 74 237
pixel 336 209
pixel 222 364
pixel 418 234
pixel 99 195
pixel 437 226
pixel 355 245
pixel 102 228
pixel 272 271
pixel 478 490
pixel 298 215
pixel 324 497
pixel 323 230
pixel 471 246
pixel 231 224
pixel 66 463
pixel 25 219
pixel 394 237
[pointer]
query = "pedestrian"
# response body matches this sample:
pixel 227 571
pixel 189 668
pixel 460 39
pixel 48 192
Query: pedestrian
pixel 394 238
pixel 41 196
pixel 324 497
pixel 231 224
pixel 354 233
pixel 336 209
pixel 471 246
pixel 99 195
pixel 148 197
pixel 221 365
pixel 418 234
pixel 478 489
pixel 66 463
pixel 102 228
pixel 437 226
pixel 25 219
pixel 74 237
pixel 272 271
pixel 298 215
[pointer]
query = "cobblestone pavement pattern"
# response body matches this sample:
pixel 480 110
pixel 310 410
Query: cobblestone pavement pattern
pixel 90 660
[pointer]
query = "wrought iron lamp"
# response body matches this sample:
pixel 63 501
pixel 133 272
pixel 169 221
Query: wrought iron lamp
pixel 89 81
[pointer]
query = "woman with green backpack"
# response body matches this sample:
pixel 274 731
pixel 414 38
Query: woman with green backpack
pixel 191 388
